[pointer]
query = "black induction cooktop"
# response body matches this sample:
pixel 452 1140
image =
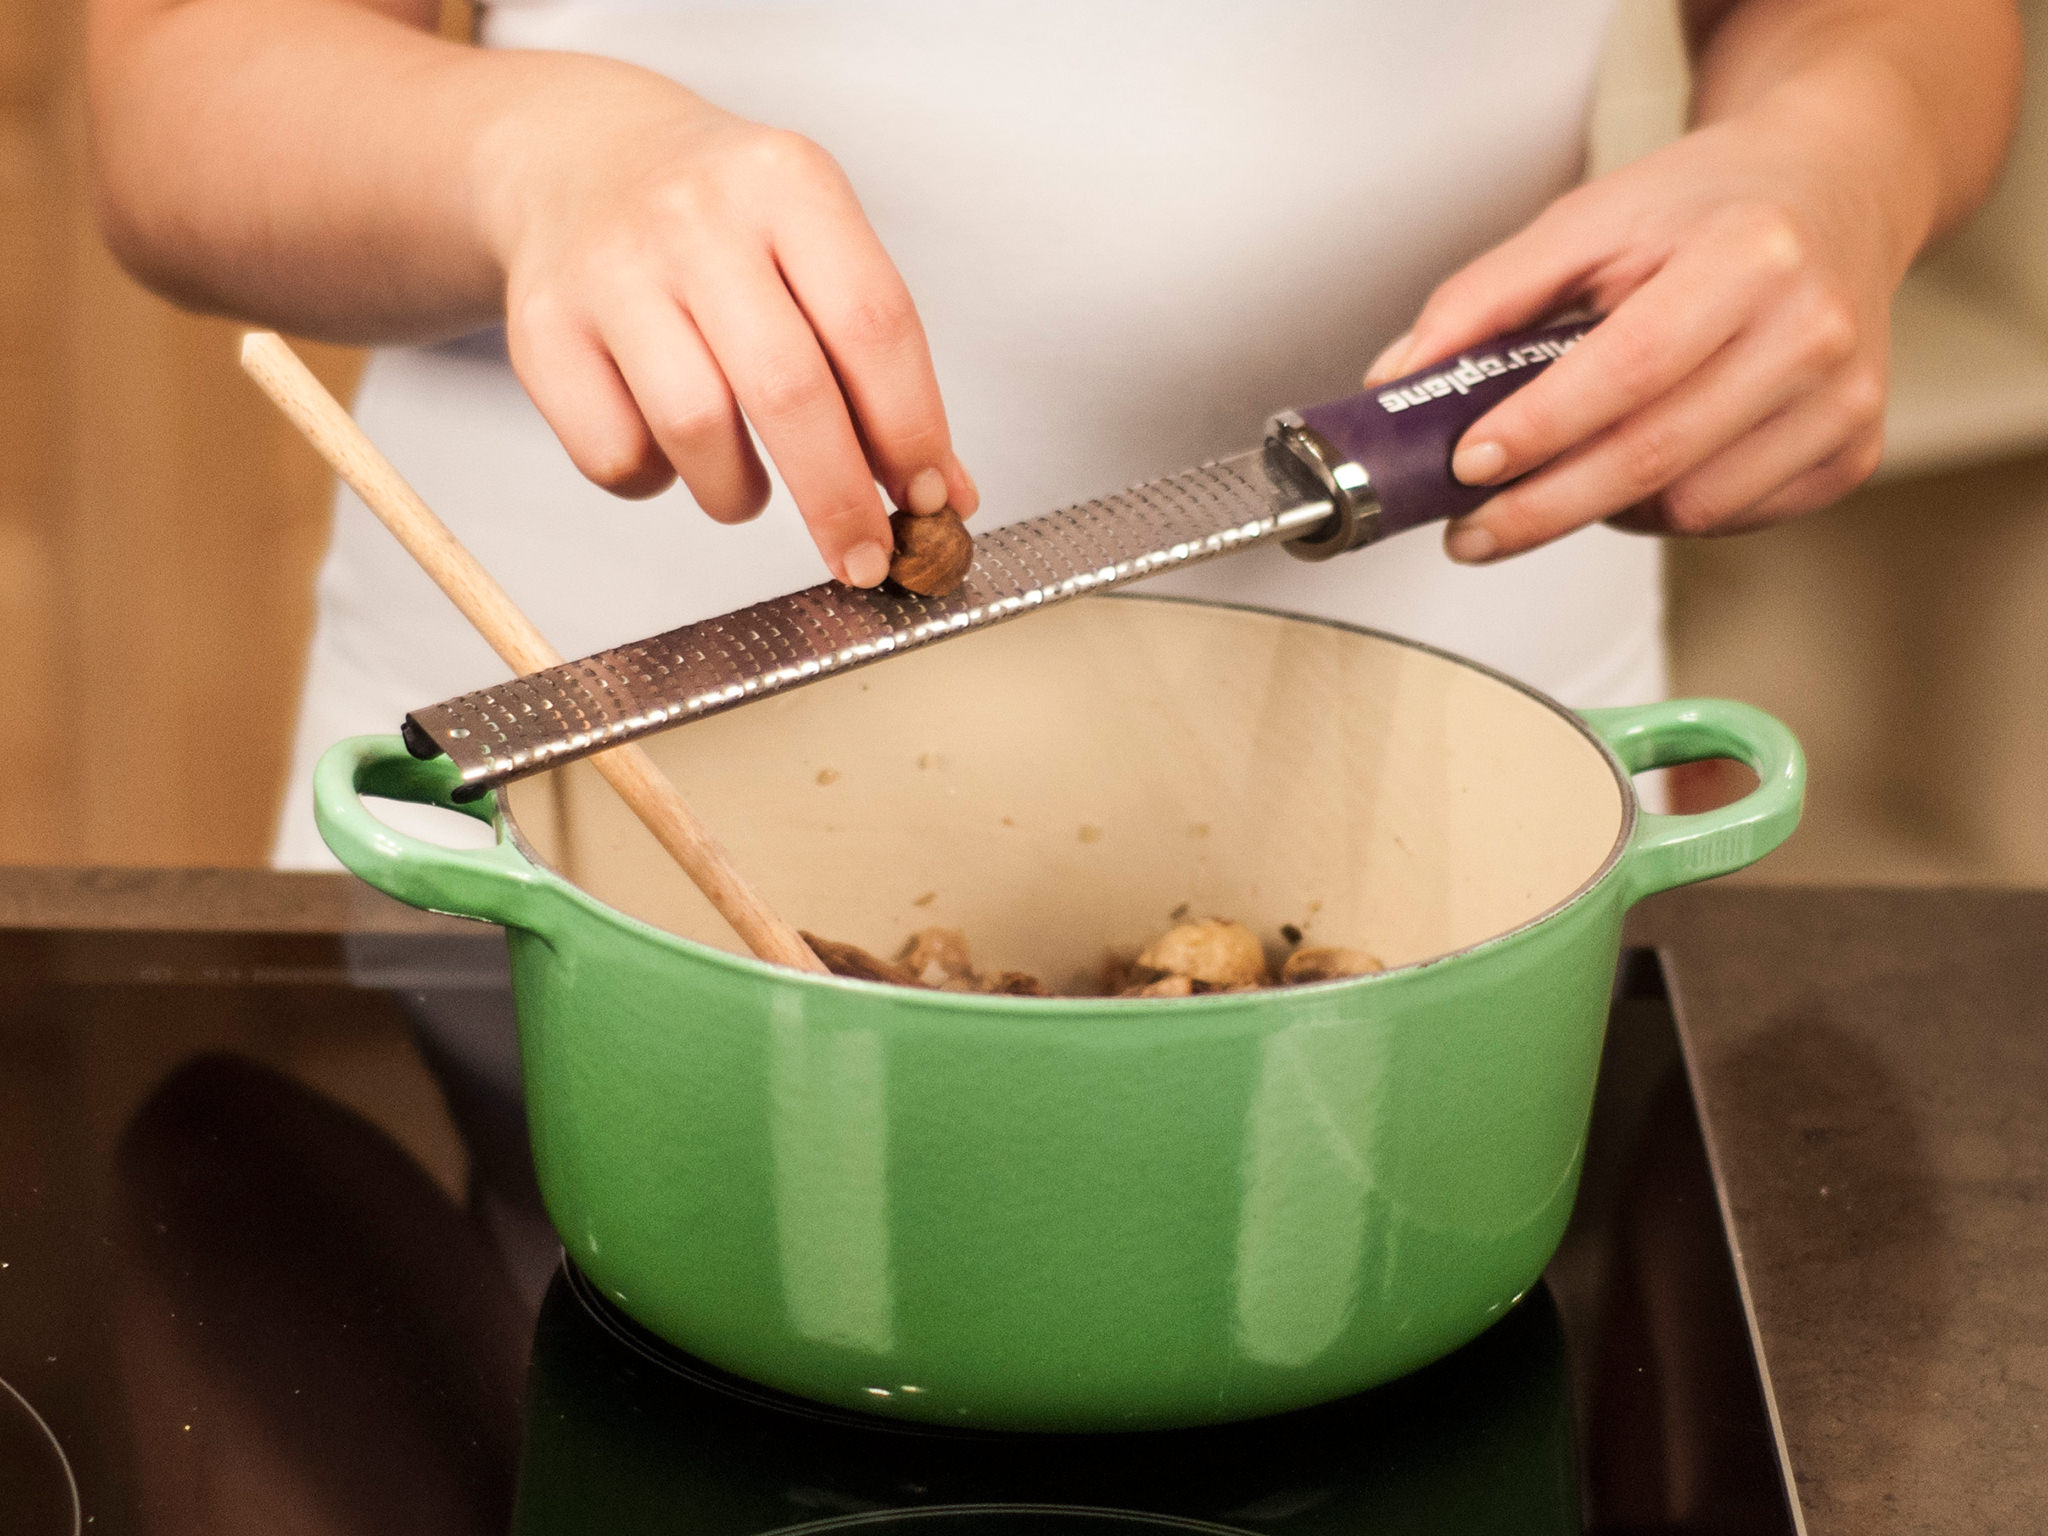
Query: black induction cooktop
pixel 271 1260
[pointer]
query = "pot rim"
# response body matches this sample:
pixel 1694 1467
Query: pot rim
pixel 1044 1007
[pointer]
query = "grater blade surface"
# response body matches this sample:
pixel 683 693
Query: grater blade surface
pixel 503 732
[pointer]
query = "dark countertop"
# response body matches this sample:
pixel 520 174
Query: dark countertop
pixel 1872 1067
pixel 1873 1070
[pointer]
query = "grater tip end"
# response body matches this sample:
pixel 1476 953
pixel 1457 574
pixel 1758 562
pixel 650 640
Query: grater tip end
pixel 417 741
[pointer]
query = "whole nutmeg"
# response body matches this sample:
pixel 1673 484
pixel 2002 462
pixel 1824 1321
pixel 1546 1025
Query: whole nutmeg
pixel 934 551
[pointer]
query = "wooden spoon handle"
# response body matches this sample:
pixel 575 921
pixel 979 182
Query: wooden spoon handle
pixel 629 770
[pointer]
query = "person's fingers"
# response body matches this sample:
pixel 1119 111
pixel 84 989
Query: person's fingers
pixel 1726 493
pixel 926 492
pixel 1656 337
pixel 1388 364
pixel 1526 276
pixel 1741 385
pixel 688 406
pixel 1809 490
pixel 1827 482
pixel 570 376
pixel 779 374
pixel 862 313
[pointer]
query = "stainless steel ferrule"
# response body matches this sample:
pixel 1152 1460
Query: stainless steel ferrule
pixel 1355 522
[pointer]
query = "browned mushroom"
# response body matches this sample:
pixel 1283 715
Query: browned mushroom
pixel 1212 955
pixel 1327 963
pixel 851 960
pixel 939 957
pixel 1165 986
pixel 1014 984
pixel 1217 953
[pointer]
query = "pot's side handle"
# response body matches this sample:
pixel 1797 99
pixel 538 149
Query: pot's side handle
pixel 494 884
pixel 1678 850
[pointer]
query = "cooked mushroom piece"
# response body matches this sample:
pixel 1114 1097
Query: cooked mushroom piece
pixel 1327 964
pixel 853 961
pixel 939 957
pixel 1212 955
pixel 1214 952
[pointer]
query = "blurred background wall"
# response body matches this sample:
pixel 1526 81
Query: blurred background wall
pixel 159 528
pixel 159 525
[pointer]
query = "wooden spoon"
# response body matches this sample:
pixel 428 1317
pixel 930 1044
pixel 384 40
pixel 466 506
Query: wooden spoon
pixel 629 770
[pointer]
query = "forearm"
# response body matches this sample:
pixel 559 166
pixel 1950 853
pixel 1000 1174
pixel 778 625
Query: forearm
pixel 1915 98
pixel 309 163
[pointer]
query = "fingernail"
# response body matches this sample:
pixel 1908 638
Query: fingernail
pixel 1479 463
pixel 1383 365
pixel 867 565
pixel 1470 543
pixel 926 492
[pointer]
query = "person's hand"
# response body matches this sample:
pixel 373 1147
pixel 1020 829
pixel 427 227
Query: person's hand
pixel 674 273
pixel 1746 273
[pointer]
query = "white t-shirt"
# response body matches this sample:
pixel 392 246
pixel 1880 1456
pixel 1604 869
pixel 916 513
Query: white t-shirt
pixel 1133 228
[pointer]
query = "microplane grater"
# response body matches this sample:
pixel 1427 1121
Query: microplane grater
pixel 1330 478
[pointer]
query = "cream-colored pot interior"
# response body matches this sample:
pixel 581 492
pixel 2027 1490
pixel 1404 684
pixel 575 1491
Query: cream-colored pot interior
pixel 1059 786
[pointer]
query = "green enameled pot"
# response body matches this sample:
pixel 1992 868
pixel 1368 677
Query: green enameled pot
pixel 1088 1213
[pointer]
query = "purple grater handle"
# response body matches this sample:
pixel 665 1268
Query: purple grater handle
pixel 1402 434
